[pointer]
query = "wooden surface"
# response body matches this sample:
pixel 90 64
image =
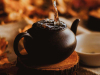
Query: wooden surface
pixel 68 63
pixel 68 66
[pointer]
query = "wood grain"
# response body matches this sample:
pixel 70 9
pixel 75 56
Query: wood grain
pixel 68 66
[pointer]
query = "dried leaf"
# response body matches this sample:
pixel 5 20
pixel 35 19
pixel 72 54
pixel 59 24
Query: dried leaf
pixel 3 61
pixel 25 28
pixel 3 54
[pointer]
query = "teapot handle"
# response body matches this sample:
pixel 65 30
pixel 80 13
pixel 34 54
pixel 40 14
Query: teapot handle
pixel 16 41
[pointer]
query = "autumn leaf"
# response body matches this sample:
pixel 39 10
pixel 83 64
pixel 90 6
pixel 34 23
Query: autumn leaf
pixel 25 28
pixel 3 54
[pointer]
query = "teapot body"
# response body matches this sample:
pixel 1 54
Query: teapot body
pixel 51 47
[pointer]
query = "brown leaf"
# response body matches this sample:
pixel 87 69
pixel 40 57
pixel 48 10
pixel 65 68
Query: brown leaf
pixel 3 61
pixel 25 28
pixel 3 54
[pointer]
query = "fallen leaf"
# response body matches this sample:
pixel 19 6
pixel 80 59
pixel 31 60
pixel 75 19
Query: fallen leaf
pixel 3 54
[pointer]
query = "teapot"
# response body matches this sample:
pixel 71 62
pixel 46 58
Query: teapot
pixel 46 43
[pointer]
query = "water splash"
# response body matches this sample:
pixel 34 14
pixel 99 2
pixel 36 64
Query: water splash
pixel 56 17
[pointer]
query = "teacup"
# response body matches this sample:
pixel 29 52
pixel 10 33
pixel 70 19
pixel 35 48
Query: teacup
pixel 88 48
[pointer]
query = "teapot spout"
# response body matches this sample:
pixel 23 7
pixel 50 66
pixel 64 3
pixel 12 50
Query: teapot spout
pixel 74 26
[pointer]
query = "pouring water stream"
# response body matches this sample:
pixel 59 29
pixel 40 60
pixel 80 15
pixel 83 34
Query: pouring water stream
pixel 56 17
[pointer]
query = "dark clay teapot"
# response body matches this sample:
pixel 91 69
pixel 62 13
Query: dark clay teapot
pixel 46 43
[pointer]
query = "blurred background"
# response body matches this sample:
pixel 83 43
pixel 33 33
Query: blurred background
pixel 33 10
pixel 17 16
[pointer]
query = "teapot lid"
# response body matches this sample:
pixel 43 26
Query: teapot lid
pixel 48 24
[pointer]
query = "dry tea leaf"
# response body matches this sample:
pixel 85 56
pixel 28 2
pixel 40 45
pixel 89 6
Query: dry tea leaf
pixel 3 54
pixel 23 52
pixel 3 61
pixel 25 28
